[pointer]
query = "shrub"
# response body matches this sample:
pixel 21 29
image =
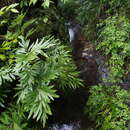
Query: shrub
pixel 106 106
pixel 114 41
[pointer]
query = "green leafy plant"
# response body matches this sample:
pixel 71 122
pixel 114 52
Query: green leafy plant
pixel 13 119
pixel 34 70
pixel 44 3
pixel 91 12
pixel 6 9
pixel 106 106
pixel 114 42
pixel 16 27
pixel 6 75
pixel 40 67
pixel 37 69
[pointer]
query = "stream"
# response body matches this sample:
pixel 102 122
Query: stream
pixel 70 126
pixel 68 110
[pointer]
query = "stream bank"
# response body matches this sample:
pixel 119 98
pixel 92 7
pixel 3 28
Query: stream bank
pixel 68 110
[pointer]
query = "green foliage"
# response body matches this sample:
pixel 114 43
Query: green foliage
pixel 114 41
pixel 6 74
pixel 87 15
pixel 15 28
pixel 40 67
pixel 44 3
pixel 34 90
pixel 13 119
pixel 108 21
pixel 37 69
pixel 106 105
pixel 6 9
pixel 90 12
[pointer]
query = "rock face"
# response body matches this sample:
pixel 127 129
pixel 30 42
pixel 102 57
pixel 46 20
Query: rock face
pixel 85 60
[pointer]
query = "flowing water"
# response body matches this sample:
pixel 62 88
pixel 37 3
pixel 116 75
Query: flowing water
pixel 70 126
pixel 68 111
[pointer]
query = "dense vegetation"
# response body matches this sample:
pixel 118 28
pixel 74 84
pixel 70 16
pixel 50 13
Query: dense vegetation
pixel 36 61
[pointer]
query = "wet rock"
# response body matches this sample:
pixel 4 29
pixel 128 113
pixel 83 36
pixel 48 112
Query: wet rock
pixel 103 69
pixel 91 64
pixel 88 71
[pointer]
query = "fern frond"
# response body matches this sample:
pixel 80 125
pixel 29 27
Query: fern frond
pixel 37 103
pixel 6 74
pixel 39 66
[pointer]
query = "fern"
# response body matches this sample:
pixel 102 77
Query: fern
pixel 42 67
pixel 6 74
